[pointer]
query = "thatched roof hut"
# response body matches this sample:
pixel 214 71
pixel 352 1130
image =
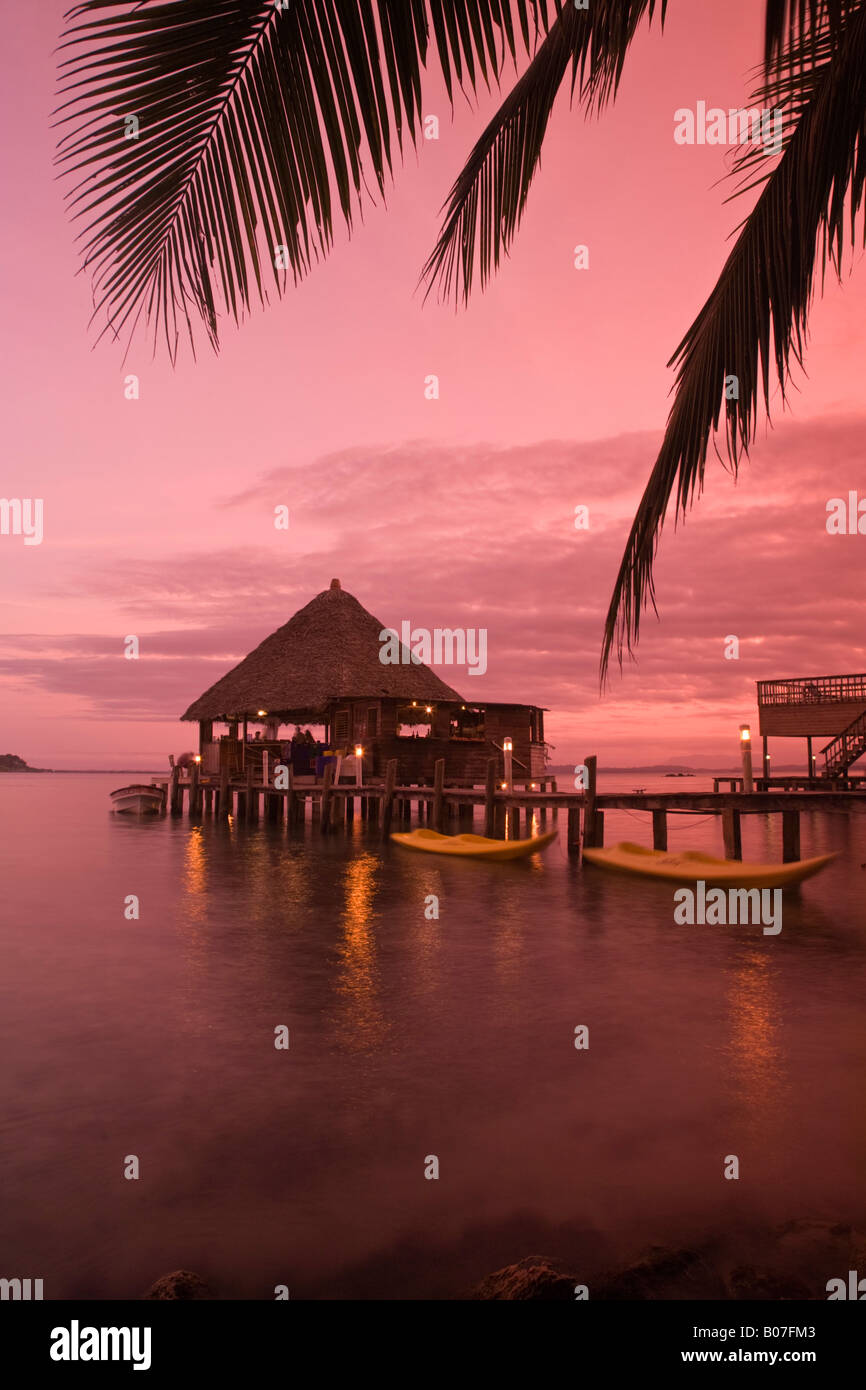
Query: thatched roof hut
pixel 328 651
pixel 324 667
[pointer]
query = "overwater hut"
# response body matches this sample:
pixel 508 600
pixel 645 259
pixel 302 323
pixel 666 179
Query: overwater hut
pixel 323 668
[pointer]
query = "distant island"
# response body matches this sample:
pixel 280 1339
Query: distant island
pixel 10 762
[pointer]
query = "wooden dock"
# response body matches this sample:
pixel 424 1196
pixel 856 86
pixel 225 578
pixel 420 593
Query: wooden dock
pixel 386 804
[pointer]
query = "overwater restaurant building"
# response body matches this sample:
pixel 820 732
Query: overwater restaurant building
pixel 323 668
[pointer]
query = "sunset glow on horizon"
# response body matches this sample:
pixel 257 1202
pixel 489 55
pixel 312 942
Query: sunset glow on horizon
pixel 449 512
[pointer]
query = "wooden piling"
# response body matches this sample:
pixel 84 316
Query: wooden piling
pixel 174 803
pixel 194 791
pixel 490 799
pixel 388 797
pixel 660 830
pixel 590 828
pixel 790 836
pixel 325 815
pixel 574 830
pixel 438 791
pixel 732 833
pixel 249 811
pixel 225 799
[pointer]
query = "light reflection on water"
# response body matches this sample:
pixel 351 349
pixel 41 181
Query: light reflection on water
pixel 410 1035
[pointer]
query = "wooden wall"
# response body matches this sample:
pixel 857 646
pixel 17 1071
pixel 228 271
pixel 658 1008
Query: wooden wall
pixel 802 721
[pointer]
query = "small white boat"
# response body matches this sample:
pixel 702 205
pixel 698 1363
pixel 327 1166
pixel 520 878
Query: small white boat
pixel 139 799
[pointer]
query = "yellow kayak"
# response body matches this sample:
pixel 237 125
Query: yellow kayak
pixel 473 846
pixel 691 865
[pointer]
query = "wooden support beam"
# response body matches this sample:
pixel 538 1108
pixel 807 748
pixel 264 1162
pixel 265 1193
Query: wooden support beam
pixel 790 836
pixel 732 834
pixel 660 829
pixel 327 782
pixel 574 829
pixel 249 812
pixel 388 798
pixel 438 790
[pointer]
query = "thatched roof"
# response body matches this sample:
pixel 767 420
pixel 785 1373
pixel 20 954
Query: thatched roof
pixel 327 651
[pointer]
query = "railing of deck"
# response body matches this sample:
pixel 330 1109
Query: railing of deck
pixel 812 690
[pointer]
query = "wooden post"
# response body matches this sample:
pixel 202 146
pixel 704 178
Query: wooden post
pixel 731 833
pixel 327 782
pixel 589 813
pixel 173 791
pixel 790 836
pixel 388 797
pixel 291 802
pixel 574 829
pixel 598 832
pixel 660 829
pixel 438 790
pixel 811 759
pixel 194 807
pixel 490 799
pixel 225 802
pixel 249 812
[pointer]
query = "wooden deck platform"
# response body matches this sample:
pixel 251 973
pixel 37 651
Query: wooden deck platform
pixel 442 807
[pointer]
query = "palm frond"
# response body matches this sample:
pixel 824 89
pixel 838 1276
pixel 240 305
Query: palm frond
pixel 789 23
pixel 754 322
pixel 256 126
pixel 486 204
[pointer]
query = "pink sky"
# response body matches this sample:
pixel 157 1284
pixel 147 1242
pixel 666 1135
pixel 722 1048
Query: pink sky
pixel 456 512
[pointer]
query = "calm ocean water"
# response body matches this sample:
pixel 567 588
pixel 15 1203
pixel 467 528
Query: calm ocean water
pixel 409 1038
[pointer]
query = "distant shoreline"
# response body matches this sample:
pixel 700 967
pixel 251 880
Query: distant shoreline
pixel 559 770
pixel 91 771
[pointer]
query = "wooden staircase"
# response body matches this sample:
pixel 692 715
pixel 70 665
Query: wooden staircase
pixel 846 749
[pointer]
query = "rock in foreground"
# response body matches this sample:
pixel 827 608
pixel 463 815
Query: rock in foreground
pixel 180 1284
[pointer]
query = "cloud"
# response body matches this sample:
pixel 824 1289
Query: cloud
pixel 484 537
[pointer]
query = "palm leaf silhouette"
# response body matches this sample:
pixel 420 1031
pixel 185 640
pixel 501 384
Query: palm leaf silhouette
pixel 257 125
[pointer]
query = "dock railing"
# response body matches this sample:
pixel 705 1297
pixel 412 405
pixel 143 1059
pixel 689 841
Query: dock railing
pixel 813 690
